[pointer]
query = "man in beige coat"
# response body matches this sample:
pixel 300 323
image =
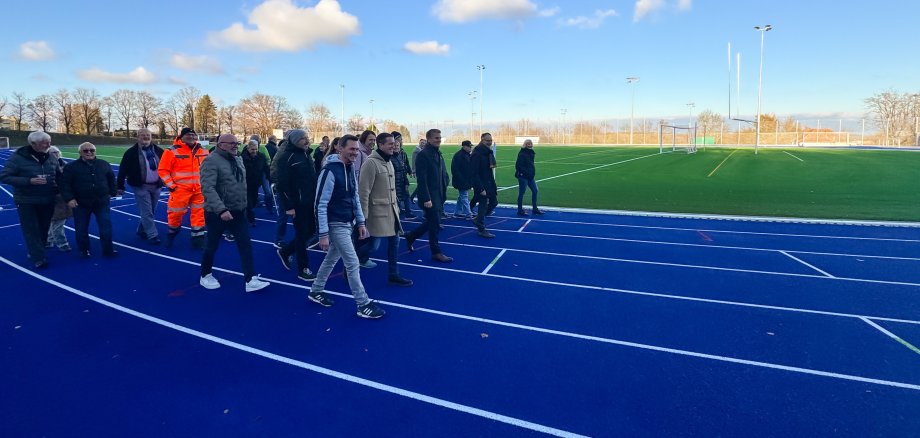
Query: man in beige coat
pixel 377 193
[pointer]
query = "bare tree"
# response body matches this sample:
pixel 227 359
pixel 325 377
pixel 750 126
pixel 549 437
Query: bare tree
pixel 264 113
pixel 107 109
pixel 41 111
pixel 356 123
pixel 63 105
pixel 148 107
pixel 3 104
pixel 291 118
pixel 228 113
pixel 709 122
pixel 20 106
pixel 172 113
pixel 87 101
pixel 125 104
pixel 320 118
pixel 893 113
pixel 187 98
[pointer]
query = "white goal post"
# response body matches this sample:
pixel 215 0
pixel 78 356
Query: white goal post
pixel 678 137
pixel 4 142
pixel 519 140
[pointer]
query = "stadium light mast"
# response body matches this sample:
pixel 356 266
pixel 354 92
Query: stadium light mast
pixel 563 111
pixel 373 122
pixel 690 105
pixel 472 95
pixel 763 30
pixel 632 112
pixel 343 108
pixel 481 68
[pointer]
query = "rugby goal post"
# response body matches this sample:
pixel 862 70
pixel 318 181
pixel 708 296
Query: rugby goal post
pixel 677 138
pixel 4 142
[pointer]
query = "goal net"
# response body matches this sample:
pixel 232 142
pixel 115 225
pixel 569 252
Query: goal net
pixel 4 142
pixel 677 138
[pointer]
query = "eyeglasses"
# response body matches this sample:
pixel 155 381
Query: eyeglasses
pixel 88 151
pixel 230 142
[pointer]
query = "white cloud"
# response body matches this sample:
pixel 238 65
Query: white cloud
pixel 139 75
pixel 462 11
pixel 644 7
pixel 205 64
pixel 282 25
pixel 36 51
pixel 176 80
pixel 427 48
pixel 684 4
pixel 545 13
pixel 594 22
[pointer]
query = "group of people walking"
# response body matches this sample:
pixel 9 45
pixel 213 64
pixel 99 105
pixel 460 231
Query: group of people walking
pixel 345 197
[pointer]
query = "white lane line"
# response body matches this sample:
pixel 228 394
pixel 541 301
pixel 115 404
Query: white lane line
pixel 494 261
pixel 588 169
pixel 552 331
pixel 524 226
pixel 892 335
pixel 793 156
pixel 5 190
pixel 304 365
pixel 8 226
pixel 807 264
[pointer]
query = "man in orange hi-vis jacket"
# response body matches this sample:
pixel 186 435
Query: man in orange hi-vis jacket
pixel 179 170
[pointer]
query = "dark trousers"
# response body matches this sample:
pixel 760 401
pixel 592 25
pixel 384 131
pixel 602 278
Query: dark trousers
pixel 368 246
pixel 240 230
pixel 486 204
pixel 281 224
pixel 267 194
pixel 402 200
pixel 304 229
pixel 252 200
pixel 523 184
pixel 35 220
pixel 432 225
pixel 81 216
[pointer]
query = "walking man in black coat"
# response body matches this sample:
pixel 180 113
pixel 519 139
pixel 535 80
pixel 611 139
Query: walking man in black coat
pixel 484 185
pixel 430 194
pixel 87 186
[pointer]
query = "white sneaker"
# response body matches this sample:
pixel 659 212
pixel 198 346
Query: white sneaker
pixel 209 282
pixel 256 283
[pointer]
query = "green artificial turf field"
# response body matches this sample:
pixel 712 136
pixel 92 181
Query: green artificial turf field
pixel 796 182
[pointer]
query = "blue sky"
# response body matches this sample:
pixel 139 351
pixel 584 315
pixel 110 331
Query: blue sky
pixel 822 58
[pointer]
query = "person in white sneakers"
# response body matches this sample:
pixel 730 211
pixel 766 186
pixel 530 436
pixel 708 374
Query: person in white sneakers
pixel 223 183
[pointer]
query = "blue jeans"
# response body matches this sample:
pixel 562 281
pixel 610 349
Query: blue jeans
pixel 523 183
pixel 463 204
pixel 341 247
pixel 268 196
pixel 81 214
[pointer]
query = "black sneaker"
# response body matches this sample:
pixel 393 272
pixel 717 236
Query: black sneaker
pixel 521 212
pixel 285 260
pixel 229 237
pixel 306 275
pixel 154 240
pixel 396 280
pixel 538 211
pixel 370 311
pixel 320 298
pixel 84 254
pixel 112 253
pixel 41 264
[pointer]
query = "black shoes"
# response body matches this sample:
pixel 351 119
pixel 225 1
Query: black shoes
pixel 486 234
pixel 84 254
pixel 41 264
pixel 537 211
pixel 110 254
pixel 440 257
pixel 399 281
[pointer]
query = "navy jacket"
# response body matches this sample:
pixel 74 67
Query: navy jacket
pixel 89 182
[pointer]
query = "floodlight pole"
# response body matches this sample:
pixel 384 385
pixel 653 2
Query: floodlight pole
pixel 372 111
pixel 763 30
pixel 481 69
pixel 472 95
pixel 343 108
pixel 690 105
pixel 563 111
pixel 632 112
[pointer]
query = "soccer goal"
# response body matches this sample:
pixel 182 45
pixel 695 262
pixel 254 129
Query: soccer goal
pixel 4 142
pixel 677 138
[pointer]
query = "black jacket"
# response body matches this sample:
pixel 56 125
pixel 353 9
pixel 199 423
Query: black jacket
pixel 295 177
pixel 131 167
pixel 481 162
pixel 256 168
pixel 461 170
pixel 272 149
pixel 19 170
pixel 89 182
pixel 318 155
pixel 524 167
pixel 428 174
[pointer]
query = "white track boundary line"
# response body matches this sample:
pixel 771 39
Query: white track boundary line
pixel 588 169
pixel 304 365
pixel 8 226
pixel 524 226
pixel 892 336
pixel 517 326
pixel 807 264
pixel 793 156
pixel 494 261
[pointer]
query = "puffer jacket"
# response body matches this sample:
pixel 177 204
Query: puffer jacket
pixel 90 182
pixel 295 177
pixel 524 167
pixel 223 182
pixel 19 170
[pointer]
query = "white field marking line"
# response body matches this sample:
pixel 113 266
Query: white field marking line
pixel 305 365
pixel 793 156
pixel 720 164
pixel 5 190
pixel 658 242
pixel 503 324
pixel 892 336
pixel 756 233
pixel 582 286
pixel 589 169
pixel 524 226
pixel 8 226
pixel 553 160
pixel 493 262
pixel 807 264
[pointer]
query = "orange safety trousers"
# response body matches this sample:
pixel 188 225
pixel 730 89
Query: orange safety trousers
pixel 180 200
